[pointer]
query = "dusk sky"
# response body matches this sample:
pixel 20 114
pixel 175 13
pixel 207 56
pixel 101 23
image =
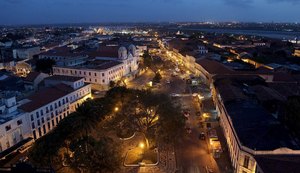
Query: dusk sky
pixel 85 11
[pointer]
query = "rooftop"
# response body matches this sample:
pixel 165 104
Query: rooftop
pixel 256 128
pixel 105 51
pixel 279 163
pixel 64 78
pixel 214 67
pixel 32 76
pixel 63 51
pixel 46 96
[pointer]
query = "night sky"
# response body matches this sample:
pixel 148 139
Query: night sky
pixel 90 11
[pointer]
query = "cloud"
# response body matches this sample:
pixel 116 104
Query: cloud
pixel 247 3
pixel 289 1
pixel 240 3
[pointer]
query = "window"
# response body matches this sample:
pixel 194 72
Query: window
pixel 89 73
pixel 34 134
pixel 38 122
pixel 42 112
pixel 19 122
pixel 246 161
pixel 48 125
pixel 102 74
pixel 31 117
pixel 32 125
pixel 44 129
pixel 43 120
pixel 47 109
pixel 7 128
pixel 40 132
pixel 103 81
pixel 37 115
pixel 51 108
pixel 52 123
pixel 95 74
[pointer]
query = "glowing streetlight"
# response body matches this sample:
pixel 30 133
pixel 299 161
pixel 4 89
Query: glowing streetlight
pixel 116 109
pixel 142 145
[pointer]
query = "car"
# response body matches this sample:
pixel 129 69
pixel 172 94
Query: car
pixel 189 130
pixel 202 136
pixel 174 95
pixel 96 92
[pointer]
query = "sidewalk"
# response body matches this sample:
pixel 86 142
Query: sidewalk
pixel 167 162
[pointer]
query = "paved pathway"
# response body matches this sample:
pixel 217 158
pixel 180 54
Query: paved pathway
pixel 167 163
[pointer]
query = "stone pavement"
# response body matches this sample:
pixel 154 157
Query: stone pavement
pixel 167 163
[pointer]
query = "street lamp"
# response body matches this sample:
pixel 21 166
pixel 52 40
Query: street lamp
pixel 116 109
pixel 142 145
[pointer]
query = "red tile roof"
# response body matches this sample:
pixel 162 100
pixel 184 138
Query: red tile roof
pixel 46 96
pixel 284 77
pixel 279 163
pixel 64 78
pixel 106 51
pixel 32 76
pixel 214 67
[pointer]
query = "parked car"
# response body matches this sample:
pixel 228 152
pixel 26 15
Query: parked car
pixel 202 136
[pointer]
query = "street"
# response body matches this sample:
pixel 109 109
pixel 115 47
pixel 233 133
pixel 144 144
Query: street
pixel 192 154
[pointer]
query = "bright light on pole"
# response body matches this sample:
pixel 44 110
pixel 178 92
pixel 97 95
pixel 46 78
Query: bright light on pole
pixel 116 109
pixel 142 145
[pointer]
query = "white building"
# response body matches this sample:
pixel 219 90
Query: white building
pixel 33 79
pixel 26 53
pixel 64 56
pixel 109 64
pixel 13 124
pixel 47 107
pixel 38 114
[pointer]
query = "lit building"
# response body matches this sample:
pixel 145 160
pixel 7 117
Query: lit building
pixel 108 64
pixel 297 52
pixel 36 115
pixel 13 122
pixel 64 56
pixel 47 107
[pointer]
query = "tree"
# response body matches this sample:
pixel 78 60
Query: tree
pixel 103 155
pixel 157 78
pixel 45 65
pixel 112 84
pixel 144 112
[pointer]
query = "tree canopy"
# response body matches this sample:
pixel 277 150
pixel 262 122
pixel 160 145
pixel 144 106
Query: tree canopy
pixel 72 142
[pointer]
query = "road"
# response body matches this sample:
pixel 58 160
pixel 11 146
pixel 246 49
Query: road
pixel 192 153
